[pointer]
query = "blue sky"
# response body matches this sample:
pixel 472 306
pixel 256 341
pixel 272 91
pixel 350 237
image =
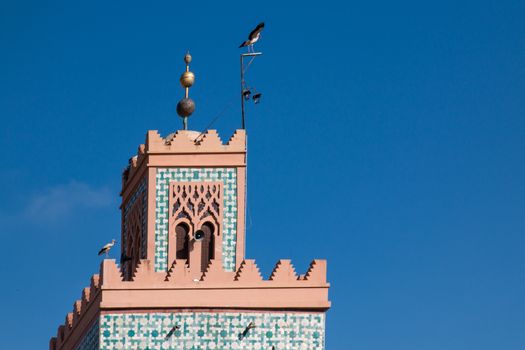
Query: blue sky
pixel 390 140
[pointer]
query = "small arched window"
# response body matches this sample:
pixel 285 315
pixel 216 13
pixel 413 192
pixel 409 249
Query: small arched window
pixel 208 244
pixel 181 238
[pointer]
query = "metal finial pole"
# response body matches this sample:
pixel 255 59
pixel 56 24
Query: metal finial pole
pixel 186 106
pixel 243 69
pixel 243 126
pixel 186 95
pixel 187 87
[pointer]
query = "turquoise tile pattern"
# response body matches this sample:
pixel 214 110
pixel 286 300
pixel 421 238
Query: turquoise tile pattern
pixel 164 176
pixel 91 339
pixel 212 331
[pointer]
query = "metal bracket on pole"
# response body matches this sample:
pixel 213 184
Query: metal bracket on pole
pixel 253 55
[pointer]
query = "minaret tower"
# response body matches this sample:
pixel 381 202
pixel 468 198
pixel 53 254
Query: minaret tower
pixel 183 280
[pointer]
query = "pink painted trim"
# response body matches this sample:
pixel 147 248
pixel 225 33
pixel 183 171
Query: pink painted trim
pixel 196 160
pixel 250 298
pixel 207 310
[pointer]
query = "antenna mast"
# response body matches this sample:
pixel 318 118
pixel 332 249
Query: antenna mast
pixel 245 90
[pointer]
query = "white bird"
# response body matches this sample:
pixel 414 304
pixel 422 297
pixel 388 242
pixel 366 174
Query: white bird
pixel 105 249
pixel 254 36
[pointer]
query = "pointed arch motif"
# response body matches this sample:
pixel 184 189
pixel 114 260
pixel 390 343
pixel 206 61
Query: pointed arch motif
pixel 133 245
pixel 195 206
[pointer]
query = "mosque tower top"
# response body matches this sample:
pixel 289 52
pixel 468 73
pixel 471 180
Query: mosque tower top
pixel 184 280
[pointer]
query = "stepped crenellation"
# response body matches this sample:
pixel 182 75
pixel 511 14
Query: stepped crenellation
pixel 216 285
pixel 180 274
pixel 184 142
pixel 75 318
pixel 283 271
pixel 248 271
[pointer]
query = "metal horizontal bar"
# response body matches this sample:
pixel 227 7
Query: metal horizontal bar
pixel 251 54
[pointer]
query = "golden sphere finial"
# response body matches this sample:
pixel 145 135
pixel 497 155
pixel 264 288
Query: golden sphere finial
pixel 187 79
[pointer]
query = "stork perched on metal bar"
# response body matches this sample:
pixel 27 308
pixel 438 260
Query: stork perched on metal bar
pixel 105 249
pixel 254 36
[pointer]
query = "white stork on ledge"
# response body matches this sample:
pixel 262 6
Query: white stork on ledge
pixel 105 249
pixel 254 36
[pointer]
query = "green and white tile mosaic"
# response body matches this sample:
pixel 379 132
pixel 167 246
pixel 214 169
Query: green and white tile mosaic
pixel 213 331
pixel 91 339
pixel 228 176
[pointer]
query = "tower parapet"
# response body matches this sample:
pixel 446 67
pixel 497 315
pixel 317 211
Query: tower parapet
pixel 216 289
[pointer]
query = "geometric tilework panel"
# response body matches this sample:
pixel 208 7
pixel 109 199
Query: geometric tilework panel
pixel 213 331
pixel 228 176
pixel 91 339
pixel 142 191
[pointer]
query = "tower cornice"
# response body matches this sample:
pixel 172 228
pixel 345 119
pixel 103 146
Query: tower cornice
pixel 184 148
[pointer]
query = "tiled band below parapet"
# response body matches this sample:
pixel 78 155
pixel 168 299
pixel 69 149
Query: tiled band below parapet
pixel 202 330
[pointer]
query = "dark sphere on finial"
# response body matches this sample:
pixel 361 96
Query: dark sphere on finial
pixel 187 58
pixel 185 107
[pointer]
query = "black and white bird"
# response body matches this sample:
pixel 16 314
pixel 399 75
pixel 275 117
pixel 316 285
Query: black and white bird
pixel 172 331
pixel 105 249
pixel 242 335
pixel 254 36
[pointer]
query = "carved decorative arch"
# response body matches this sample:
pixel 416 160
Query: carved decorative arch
pixel 196 201
pixel 133 241
pixel 196 204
